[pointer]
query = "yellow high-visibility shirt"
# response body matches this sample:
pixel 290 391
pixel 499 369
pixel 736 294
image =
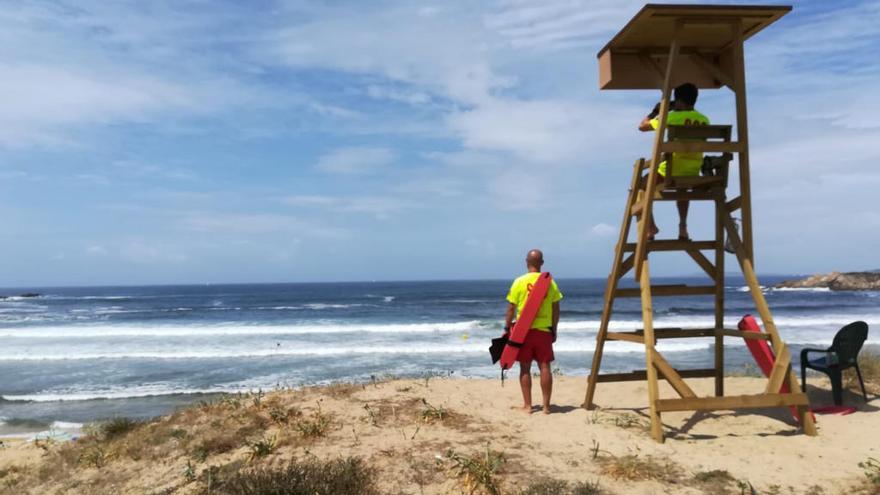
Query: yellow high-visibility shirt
pixel 685 164
pixel 519 293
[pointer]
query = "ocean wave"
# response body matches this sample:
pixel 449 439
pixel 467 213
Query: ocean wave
pixel 117 393
pixel 466 346
pixel 78 331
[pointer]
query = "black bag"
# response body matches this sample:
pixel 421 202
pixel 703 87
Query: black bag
pixel 497 348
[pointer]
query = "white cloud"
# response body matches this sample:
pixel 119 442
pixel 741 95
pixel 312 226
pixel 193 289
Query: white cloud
pixel 356 161
pixel 603 230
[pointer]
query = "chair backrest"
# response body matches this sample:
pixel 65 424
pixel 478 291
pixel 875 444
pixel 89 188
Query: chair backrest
pixel 848 342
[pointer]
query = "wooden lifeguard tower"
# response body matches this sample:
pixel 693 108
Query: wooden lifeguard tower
pixel 661 47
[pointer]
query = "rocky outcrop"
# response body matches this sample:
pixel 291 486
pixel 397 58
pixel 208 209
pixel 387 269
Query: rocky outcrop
pixel 25 295
pixel 836 281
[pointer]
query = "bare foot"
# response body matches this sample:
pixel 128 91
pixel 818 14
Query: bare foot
pixel 652 232
pixel 523 409
pixel 546 409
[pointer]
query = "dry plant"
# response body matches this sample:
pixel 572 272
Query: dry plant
pixel 479 473
pixel 635 468
pixel 549 486
pixel 347 476
pixel 869 364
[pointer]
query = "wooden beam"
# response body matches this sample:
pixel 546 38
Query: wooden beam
pixel 673 245
pixel 626 336
pixel 651 370
pixel 700 147
pixel 659 135
pixel 626 266
pixel 732 402
pixel 712 68
pixel 639 375
pixel 704 262
pixel 780 370
pixel 742 135
pixel 618 268
pixel 746 335
pixel 671 376
pixel 652 67
pixel 669 290
pixel 719 293
pixel 734 204
pixel 678 195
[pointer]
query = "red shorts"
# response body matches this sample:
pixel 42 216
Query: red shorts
pixel 538 346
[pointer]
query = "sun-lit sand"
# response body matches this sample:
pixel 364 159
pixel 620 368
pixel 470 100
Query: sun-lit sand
pixel 409 441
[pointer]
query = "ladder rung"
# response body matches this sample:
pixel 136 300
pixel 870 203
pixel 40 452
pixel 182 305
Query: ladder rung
pixel 732 402
pixel 699 147
pixel 669 290
pixel 641 375
pixel 676 195
pixel 673 245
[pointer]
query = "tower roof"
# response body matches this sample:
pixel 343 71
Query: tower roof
pixel 650 32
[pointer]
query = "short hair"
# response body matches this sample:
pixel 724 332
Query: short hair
pixel 686 93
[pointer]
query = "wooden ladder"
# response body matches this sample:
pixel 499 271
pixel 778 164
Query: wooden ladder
pixel 633 256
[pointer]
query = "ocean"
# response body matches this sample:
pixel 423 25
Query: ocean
pixel 75 355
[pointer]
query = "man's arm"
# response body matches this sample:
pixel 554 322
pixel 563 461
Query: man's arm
pixel 645 124
pixel 510 315
pixel 555 320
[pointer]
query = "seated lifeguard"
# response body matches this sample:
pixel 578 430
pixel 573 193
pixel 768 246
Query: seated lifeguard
pixel 684 164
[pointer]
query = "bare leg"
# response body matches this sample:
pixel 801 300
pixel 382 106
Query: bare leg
pixel 546 385
pixel 683 218
pixel 525 383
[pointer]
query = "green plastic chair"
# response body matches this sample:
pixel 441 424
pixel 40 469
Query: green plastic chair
pixel 843 354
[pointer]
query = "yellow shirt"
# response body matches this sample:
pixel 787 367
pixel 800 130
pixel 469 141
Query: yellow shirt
pixel 519 292
pixel 685 164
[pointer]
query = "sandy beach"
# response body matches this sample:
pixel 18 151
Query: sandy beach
pixel 416 433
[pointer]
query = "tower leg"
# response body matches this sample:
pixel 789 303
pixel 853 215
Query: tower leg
pixel 651 371
pixel 611 286
pixel 719 294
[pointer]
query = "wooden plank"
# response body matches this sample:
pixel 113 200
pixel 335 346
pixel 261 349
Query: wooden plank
pixel 669 333
pixel 697 182
pixel 711 68
pixel 732 402
pixel 626 336
pixel 734 204
pixel 676 132
pixel 618 267
pixel 650 371
pixel 704 262
pixel 671 376
pixel 673 245
pixel 746 335
pixel 701 147
pixel 780 370
pixel 639 375
pixel 669 290
pixel 678 195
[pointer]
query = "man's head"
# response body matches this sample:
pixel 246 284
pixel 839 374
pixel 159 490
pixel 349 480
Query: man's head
pixel 685 96
pixel 535 259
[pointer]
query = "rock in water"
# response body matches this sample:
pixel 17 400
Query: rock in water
pixel 836 281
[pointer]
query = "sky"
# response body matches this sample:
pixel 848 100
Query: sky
pixel 261 141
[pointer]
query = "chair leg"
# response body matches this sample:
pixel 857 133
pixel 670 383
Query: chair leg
pixel 836 386
pixel 861 382
pixel 803 376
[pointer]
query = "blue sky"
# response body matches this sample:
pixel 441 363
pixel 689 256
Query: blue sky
pixel 190 142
